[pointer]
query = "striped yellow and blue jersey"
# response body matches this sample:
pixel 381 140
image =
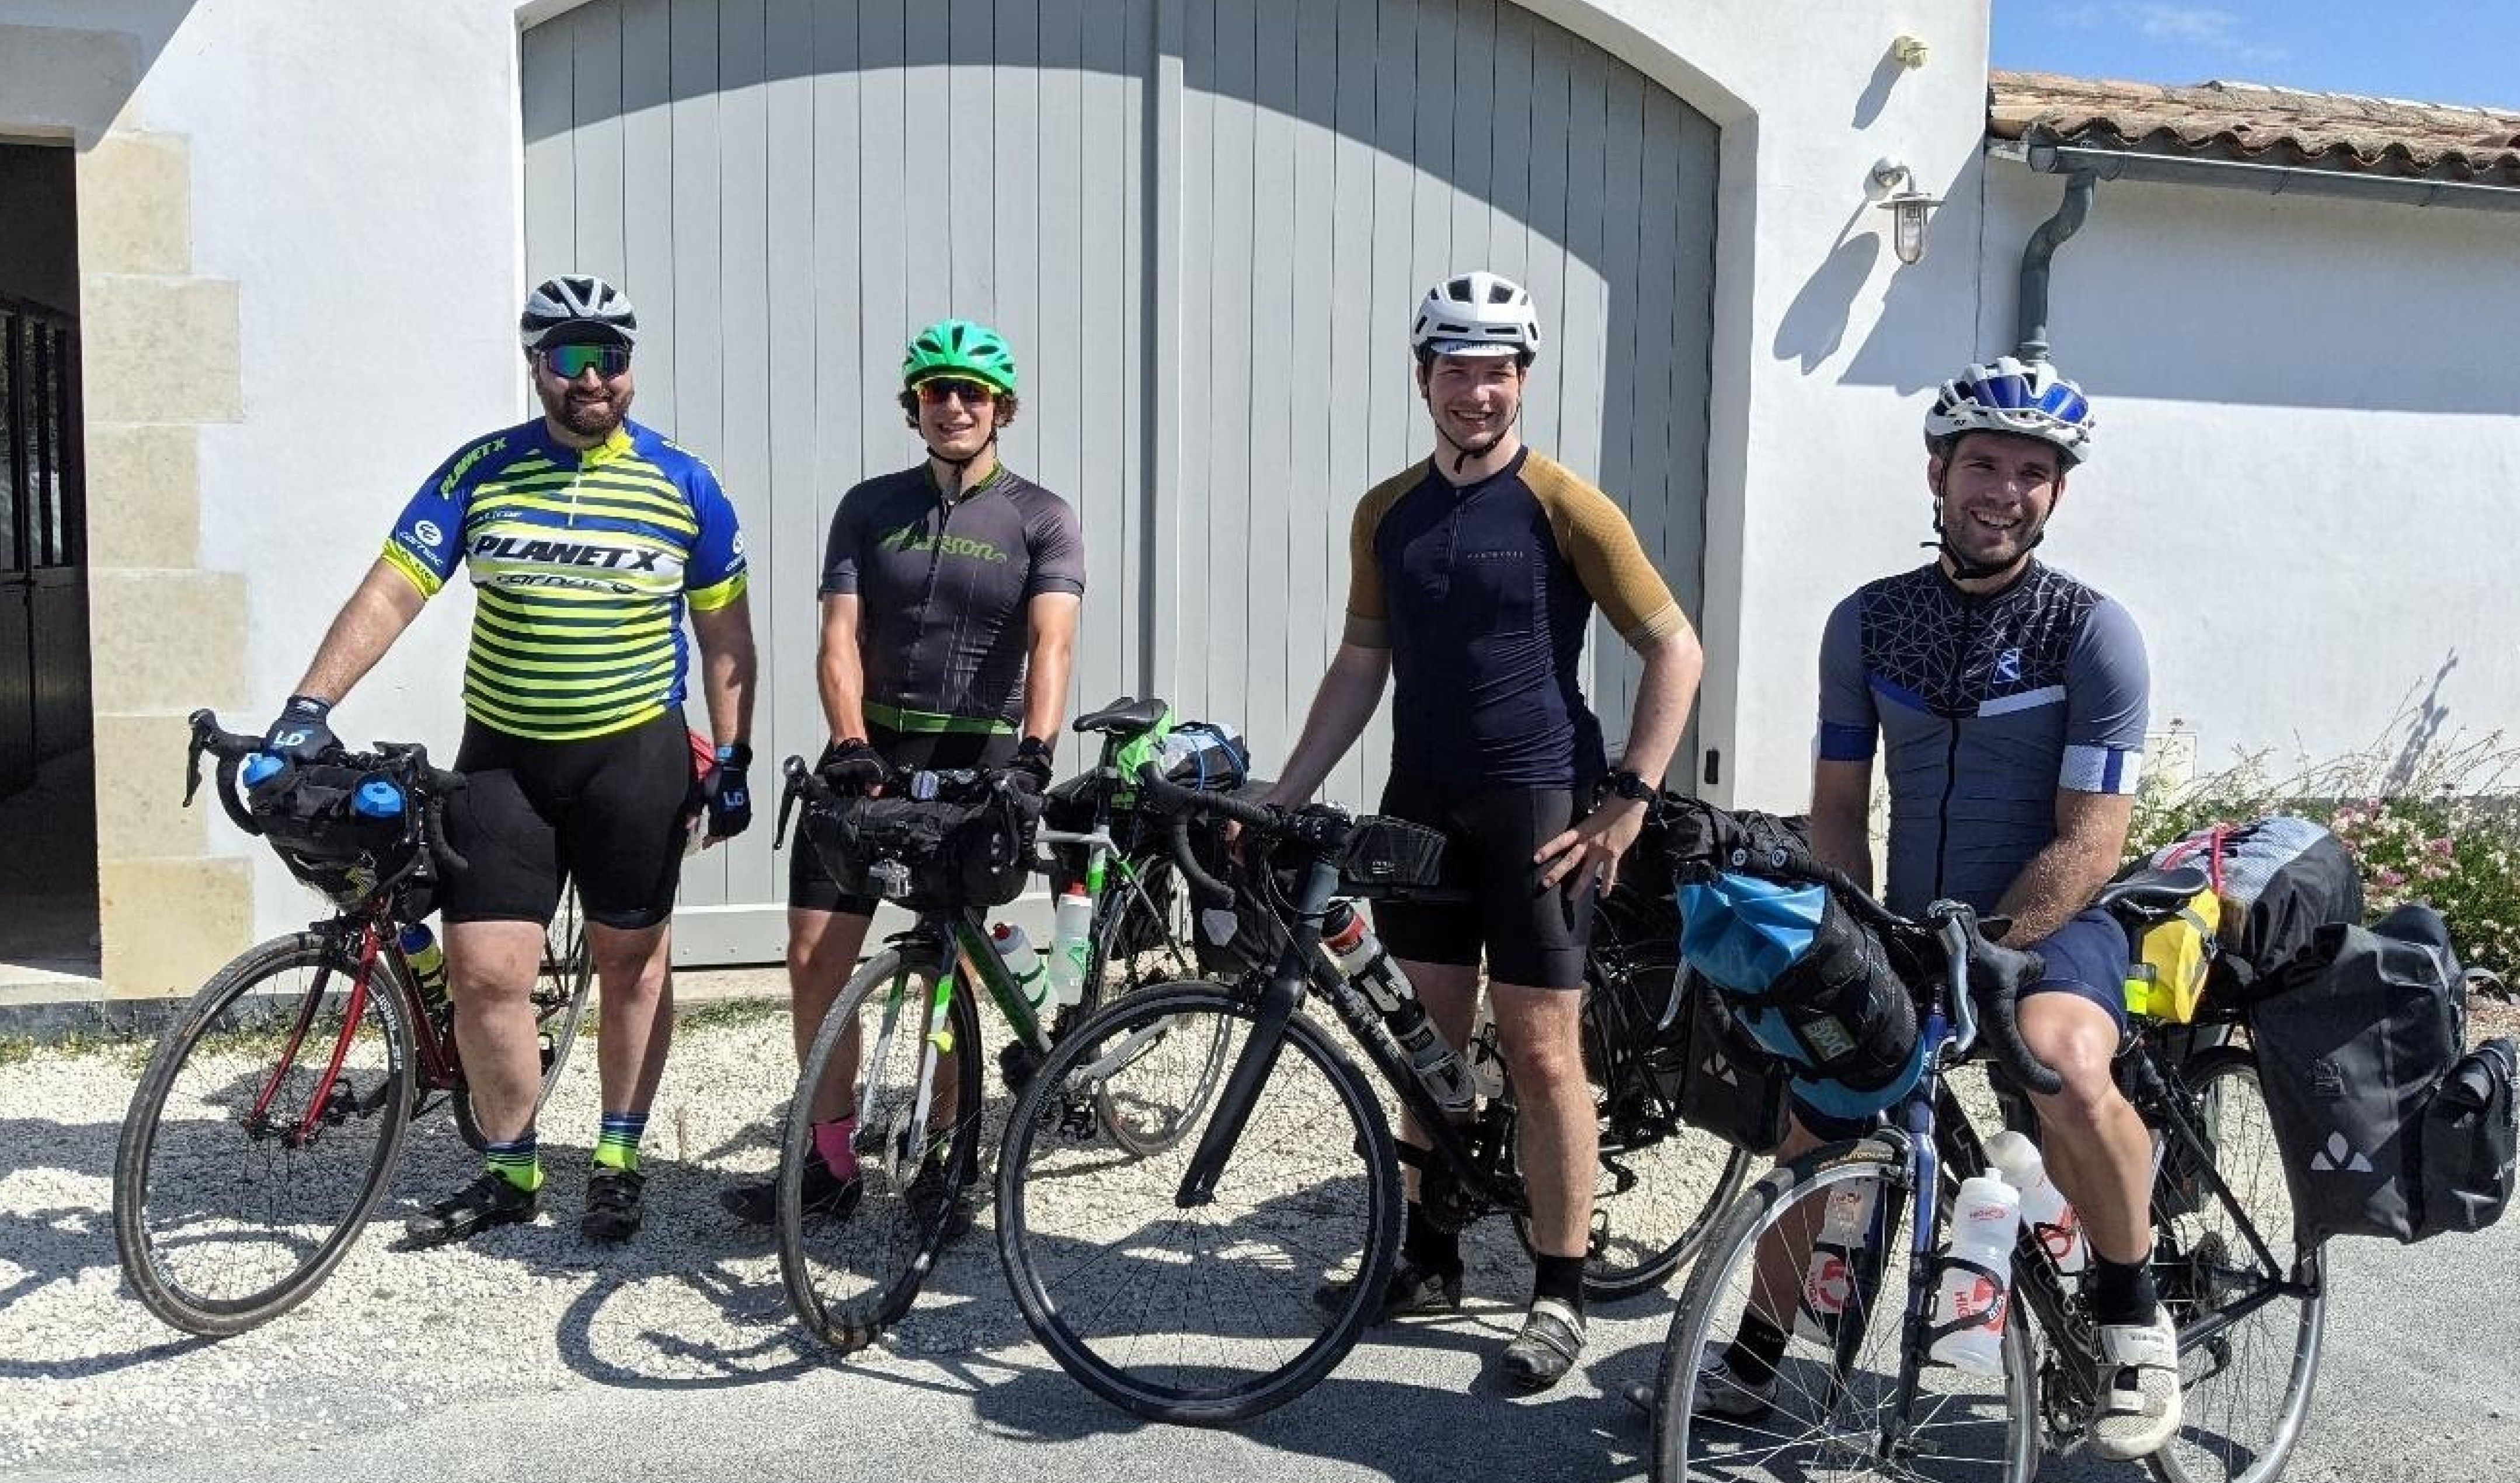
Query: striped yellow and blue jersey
pixel 583 561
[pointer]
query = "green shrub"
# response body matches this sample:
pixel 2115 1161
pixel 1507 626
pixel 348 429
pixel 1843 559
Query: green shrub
pixel 2428 820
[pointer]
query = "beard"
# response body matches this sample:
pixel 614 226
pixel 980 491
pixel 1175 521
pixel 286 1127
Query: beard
pixel 588 416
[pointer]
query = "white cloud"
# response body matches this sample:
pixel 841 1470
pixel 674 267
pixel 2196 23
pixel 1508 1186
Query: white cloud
pixel 2218 32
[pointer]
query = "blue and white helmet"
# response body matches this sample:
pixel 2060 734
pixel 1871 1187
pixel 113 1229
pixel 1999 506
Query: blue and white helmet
pixel 576 306
pixel 2007 396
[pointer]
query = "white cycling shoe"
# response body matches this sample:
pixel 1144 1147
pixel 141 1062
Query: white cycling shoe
pixel 2139 1409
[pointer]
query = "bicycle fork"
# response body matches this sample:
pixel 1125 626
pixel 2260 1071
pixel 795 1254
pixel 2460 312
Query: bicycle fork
pixel 319 1103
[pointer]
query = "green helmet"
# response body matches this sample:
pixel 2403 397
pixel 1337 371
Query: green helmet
pixel 960 348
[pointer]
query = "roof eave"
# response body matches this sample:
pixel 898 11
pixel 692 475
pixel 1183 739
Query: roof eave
pixel 2054 156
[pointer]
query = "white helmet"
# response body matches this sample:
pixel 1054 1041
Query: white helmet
pixel 1477 313
pixel 576 301
pixel 2008 396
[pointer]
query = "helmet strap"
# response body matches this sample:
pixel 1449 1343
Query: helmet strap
pixel 962 465
pixel 1462 452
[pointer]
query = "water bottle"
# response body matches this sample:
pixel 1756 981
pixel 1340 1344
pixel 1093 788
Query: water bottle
pixel 1487 1065
pixel 1024 965
pixel 1973 1293
pixel 2045 1214
pixel 427 964
pixel 1071 944
pixel 1358 955
pixel 260 766
pixel 1828 1276
pixel 377 798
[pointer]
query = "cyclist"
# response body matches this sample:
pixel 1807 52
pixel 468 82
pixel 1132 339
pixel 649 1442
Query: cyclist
pixel 1474 577
pixel 587 536
pixel 2011 700
pixel 950 599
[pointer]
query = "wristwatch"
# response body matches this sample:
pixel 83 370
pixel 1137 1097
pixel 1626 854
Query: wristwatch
pixel 1630 784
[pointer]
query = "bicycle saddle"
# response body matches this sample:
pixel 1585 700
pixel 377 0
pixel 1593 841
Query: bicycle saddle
pixel 1127 716
pixel 2149 895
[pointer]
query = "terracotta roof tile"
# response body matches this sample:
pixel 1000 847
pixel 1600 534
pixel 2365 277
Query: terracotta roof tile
pixel 2265 126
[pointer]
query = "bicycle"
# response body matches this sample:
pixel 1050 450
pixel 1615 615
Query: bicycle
pixel 2248 1303
pixel 853 1266
pixel 271 1115
pixel 1194 1292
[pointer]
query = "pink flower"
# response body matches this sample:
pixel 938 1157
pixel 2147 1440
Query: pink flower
pixel 2391 879
pixel 2442 847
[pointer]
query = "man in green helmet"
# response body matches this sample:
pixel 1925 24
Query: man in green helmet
pixel 950 599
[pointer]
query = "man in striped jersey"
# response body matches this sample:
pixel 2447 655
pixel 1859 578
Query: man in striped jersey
pixel 588 537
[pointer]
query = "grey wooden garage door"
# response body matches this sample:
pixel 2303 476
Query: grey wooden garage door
pixel 1203 224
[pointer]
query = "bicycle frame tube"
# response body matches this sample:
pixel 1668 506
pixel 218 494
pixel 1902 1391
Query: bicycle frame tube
pixel 1251 1069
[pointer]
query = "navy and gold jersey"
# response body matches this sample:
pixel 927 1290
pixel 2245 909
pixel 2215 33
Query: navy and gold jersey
pixel 583 561
pixel 1483 592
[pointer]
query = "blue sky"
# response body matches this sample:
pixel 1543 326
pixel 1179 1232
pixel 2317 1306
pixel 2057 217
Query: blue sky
pixel 2424 50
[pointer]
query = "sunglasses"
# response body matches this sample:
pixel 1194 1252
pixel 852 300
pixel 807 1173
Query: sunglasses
pixel 569 362
pixel 936 391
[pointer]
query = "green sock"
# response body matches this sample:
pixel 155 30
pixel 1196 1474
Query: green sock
pixel 518 1161
pixel 617 1146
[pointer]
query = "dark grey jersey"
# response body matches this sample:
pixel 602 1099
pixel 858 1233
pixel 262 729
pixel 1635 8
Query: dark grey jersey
pixel 943 588
pixel 1988 706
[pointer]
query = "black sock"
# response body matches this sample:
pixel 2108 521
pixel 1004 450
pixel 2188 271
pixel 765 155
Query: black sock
pixel 2122 1292
pixel 1755 1351
pixel 1431 1248
pixel 1558 1276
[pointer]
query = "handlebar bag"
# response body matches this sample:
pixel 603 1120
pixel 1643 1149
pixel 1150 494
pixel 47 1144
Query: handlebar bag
pixel 1811 982
pixel 306 811
pixel 960 852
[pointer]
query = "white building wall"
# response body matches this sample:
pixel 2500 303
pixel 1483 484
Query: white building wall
pixel 357 176
pixel 2309 438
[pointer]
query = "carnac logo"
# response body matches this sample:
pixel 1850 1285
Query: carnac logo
pixel 428 534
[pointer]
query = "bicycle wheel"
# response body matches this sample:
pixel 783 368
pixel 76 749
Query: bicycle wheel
pixel 1821 1422
pixel 1145 936
pixel 2248 1387
pixel 247 1164
pixel 1209 1314
pixel 1661 1183
pixel 854 1267
pixel 560 988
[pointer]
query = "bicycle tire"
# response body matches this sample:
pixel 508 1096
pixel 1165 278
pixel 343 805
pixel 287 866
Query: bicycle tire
pixel 1141 941
pixel 222 1035
pixel 1829 1422
pixel 1653 1200
pixel 2234 1430
pixel 847 1291
pixel 562 985
pixel 1285 1240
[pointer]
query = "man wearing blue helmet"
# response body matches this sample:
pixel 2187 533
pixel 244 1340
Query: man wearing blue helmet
pixel 2009 702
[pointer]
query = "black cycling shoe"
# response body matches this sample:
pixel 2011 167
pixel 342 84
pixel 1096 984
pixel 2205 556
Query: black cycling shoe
pixel 492 1200
pixel 1546 1348
pixel 826 1197
pixel 1413 1290
pixel 613 1201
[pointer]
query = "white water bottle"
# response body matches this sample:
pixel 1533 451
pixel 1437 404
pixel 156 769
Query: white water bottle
pixel 1024 964
pixel 1070 944
pixel 1974 1289
pixel 2045 1213
pixel 1828 1276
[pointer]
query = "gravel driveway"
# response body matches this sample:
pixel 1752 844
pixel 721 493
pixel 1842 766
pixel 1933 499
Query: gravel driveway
pixel 675 1357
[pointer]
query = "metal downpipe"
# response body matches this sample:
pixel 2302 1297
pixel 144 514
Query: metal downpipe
pixel 2079 187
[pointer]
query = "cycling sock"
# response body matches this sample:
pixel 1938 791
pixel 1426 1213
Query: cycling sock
pixel 616 1146
pixel 1431 1248
pixel 836 1141
pixel 1755 1351
pixel 1558 1276
pixel 518 1161
pixel 2122 1292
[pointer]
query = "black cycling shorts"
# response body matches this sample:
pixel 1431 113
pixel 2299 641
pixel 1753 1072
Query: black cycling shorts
pixel 607 812
pixel 811 887
pixel 1532 935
